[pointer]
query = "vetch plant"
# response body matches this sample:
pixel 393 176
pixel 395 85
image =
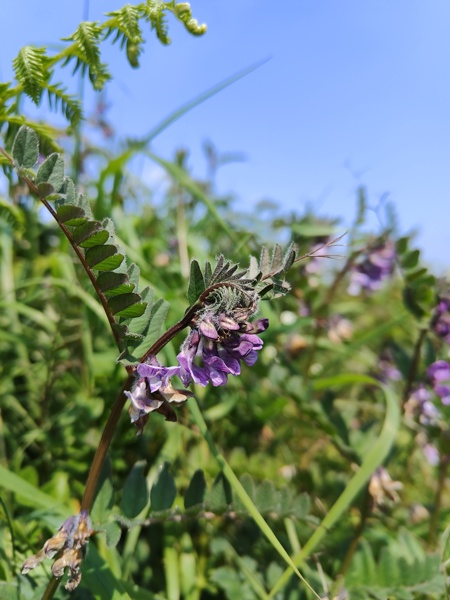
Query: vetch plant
pixel 222 333
pixel 322 438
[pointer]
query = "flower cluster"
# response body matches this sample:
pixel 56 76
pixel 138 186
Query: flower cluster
pixel 420 402
pixel 70 542
pixel 420 405
pixel 219 343
pixel 377 265
pixel 221 337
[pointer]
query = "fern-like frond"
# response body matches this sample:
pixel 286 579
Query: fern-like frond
pixel 86 51
pixel 12 215
pixel 154 13
pixel 125 24
pixel 70 105
pixel 183 12
pixel 31 69
pixel 6 93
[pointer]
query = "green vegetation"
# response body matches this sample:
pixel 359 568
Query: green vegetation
pixel 317 470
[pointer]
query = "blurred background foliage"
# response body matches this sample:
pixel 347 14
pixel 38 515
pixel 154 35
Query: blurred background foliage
pixel 294 427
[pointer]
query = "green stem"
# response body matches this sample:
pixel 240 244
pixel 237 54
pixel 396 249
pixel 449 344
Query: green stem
pixel 242 494
pixel 366 510
pixel 323 308
pixel 373 459
pixel 434 520
pixel 52 586
pixel 414 365
pixel 78 251
pixel 102 448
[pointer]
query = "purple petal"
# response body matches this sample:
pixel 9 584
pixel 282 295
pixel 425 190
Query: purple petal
pixel 189 371
pixel 140 402
pixel 256 341
pixel 217 377
pixel 207 328
pixel 157 376
pixel 255 327
pixel 421 394
pixel 230 366
pixel 250 358
pixel 228 323
pixel 439 371
pixel 443 391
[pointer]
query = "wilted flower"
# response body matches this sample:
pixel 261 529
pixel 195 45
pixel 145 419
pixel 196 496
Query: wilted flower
pixel 219 343
pixel 383 488
pixel 70 542
pixel 377 265
pixel 339 329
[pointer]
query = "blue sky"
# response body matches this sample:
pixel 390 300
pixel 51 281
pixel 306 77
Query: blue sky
pixel 355 92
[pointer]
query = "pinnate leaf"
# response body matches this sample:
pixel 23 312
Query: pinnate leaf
pixel 71 215
pixel 104 258
pixel 113 533
pixel 135 492
pixel 163 492
pixel 196 283
pixel 220 496
pixel 52 171
pixel 104 499
pixel 196 490
pixel 25 148
pixel 265 497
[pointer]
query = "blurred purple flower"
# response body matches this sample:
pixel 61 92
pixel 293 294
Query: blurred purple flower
pixel 420 404
pixel 387 369
pixel 439 374
pixel 441 319
pixel 377 265
pixel 219 343
pixel 431 454
pixel 439 371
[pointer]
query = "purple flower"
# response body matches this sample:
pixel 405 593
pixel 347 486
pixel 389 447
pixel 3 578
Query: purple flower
pixel 219 343
pixel 376 266
pixel 141 404
pixel 439 371
pixel 387 371
pixel 443 391
pixel 441 319
pixel 154 392
pixel 156 375
pixel 420 403
pixel 431 454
